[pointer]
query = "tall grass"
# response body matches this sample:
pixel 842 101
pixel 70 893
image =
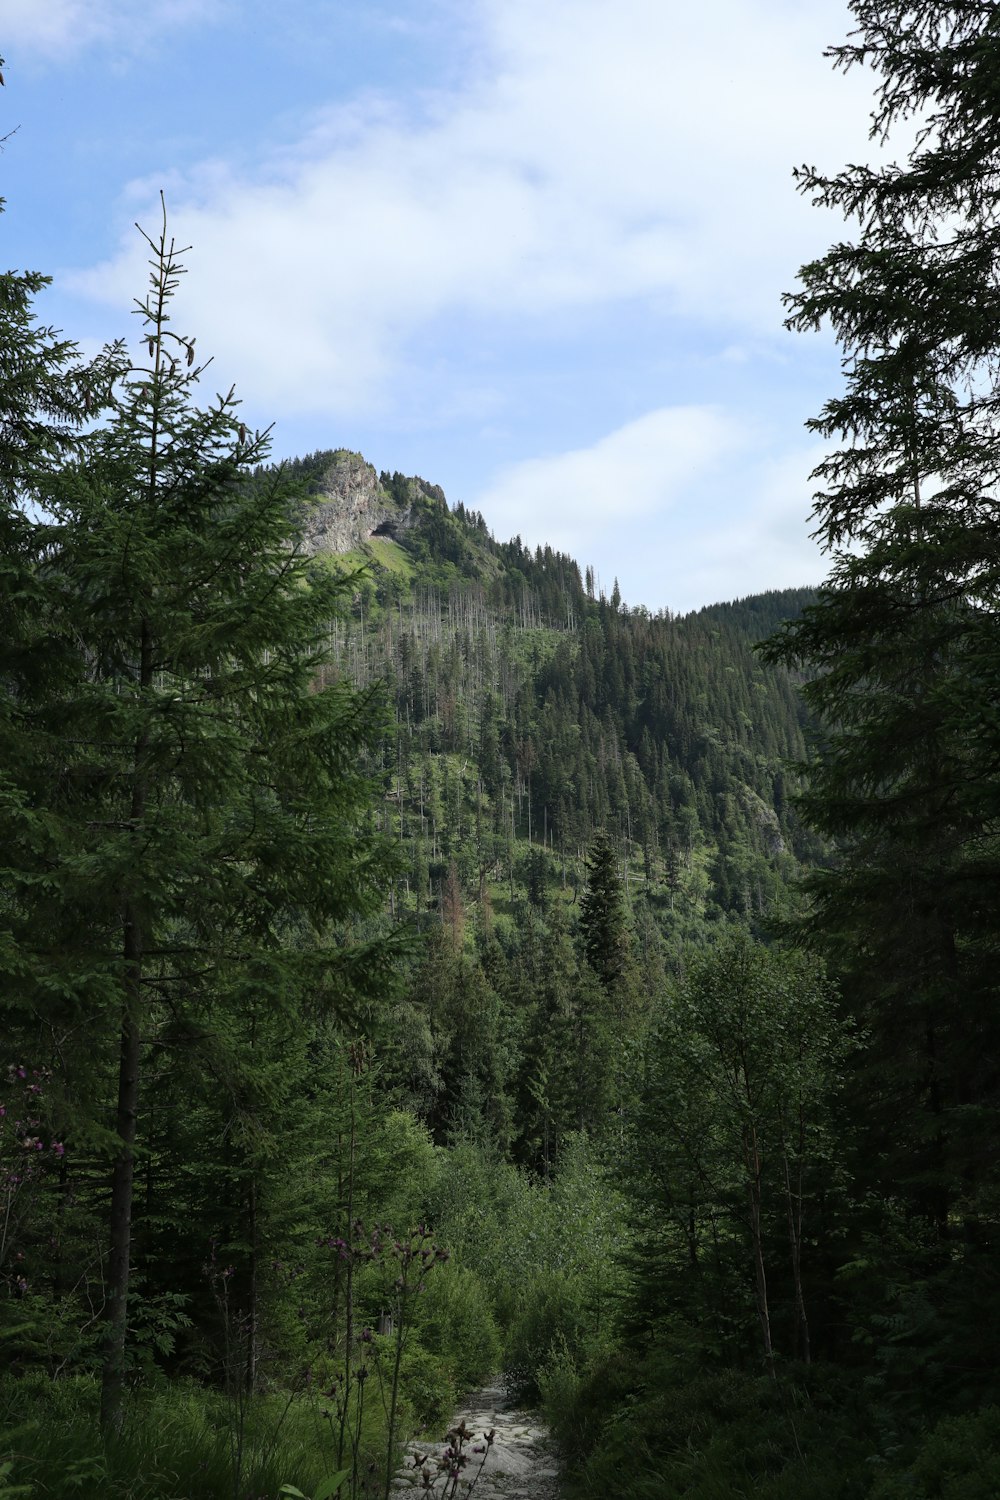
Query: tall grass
pixel 175 1444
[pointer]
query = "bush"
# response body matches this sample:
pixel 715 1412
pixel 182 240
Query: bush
pixel 456 1321
pixel 641 1429
pixel 551 1317
pixel 959 1460
pixel 428 1395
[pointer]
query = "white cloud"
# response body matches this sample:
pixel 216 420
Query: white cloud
pixel 652 504
pixel 634 155
pixel 606 153
pixel 631 475
pixel 761 542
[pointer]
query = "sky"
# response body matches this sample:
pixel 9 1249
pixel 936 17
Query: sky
pixel 531 250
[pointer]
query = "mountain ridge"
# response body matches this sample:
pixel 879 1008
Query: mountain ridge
pixel 531 713
pixel 350 509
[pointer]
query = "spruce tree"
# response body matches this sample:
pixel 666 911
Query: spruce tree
pixel 902 646
pixel 602 913
pixel 189 832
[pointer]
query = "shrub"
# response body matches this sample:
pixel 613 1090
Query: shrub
pixel 456 1320
pixel 958 1460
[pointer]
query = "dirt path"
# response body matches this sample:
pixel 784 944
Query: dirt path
pixel 520 1464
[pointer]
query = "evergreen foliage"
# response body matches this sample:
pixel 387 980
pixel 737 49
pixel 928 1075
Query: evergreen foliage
pixel 901 646
pixel 516 743
pixel 199 809
pixel 891 1230
pixel 352 910
pixel 182 806
pixel 602 917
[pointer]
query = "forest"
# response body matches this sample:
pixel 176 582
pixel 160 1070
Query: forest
pixel 421 968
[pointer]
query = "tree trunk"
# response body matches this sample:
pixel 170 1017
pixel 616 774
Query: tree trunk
pixel 760 1277
pixel 129 1058
pixel 252 1286
pixel 793 1202
pixel 113 1369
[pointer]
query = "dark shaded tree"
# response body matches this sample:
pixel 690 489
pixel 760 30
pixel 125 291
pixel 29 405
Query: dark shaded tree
pixel 602 914
pixel 902 647
pixel 193 797
pixel 733 1143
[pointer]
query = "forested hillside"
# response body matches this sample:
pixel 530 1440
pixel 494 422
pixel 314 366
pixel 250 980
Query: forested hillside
pixel 529 715
pixel 535 729
pixel 338 895
pixel 419 967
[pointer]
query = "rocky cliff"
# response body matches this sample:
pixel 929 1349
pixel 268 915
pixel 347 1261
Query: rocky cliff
pixel 350 506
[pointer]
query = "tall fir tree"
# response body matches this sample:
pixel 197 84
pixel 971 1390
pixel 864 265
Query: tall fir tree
pixel 184 813
pixel 902 646
pixel 602 913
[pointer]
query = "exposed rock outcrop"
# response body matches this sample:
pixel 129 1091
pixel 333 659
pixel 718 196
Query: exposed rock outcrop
pixel 350 507
pixel 766 819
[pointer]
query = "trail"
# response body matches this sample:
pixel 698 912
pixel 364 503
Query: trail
pixel 521 1464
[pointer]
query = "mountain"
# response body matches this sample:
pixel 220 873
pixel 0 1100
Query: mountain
pixel 530 714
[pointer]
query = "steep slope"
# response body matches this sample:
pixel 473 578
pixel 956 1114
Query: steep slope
pixel 530 714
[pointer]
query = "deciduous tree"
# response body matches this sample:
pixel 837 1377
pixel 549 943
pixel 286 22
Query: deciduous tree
pixel 732 1142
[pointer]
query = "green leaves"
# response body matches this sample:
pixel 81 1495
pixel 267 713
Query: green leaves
pixel 183 808
pixel 901 647
pixel 731 1147
pixel 323 1491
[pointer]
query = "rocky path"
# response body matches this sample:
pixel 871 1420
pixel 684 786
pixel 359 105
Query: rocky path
pixel 520 1464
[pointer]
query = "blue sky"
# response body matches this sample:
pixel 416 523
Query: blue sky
pixel 532 250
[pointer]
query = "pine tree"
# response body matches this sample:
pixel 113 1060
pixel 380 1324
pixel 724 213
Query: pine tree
pixel 47 392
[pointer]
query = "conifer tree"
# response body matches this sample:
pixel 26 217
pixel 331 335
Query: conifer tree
pixel 195 833
pixel 602 913
pixel 903 643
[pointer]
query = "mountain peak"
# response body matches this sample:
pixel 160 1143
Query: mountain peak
pixel 349 506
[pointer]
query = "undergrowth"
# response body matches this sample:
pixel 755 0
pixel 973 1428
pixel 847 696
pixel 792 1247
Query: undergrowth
pixel 176 1440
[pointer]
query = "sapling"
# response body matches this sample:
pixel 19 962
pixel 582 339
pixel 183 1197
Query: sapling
pixel 406 1263
pixel 414 1257
pixel 238 1329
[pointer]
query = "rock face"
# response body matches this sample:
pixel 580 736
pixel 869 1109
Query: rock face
pixel 766 819
pixel 350 508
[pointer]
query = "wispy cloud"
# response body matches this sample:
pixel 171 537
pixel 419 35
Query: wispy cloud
pixel 652 503
pixel 634 474
pixel 605 154
pixel 435 257
pixel 727 550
